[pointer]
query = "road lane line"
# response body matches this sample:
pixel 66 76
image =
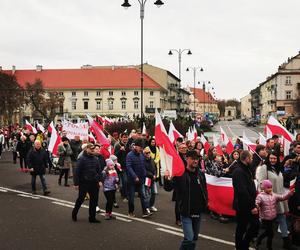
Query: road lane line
pixel 3 190
pixel 62 204
pixel 169 231
pixel 160 225
pixel 28 196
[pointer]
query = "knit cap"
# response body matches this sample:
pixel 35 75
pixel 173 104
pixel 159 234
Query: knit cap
pixel 109 162
pixel 113 157
pixel 266 184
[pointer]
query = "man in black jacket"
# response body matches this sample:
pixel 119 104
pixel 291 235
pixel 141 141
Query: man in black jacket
pixel 244 202
pixel 38 162
pixel 192 196
pixel 87 180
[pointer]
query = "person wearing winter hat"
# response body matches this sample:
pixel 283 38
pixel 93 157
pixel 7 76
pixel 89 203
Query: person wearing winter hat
pixel 266 201
pixel 110 184
pixel 119 170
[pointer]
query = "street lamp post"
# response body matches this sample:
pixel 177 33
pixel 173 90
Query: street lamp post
pixel 179 52
pixel 142 3
pixel 194 72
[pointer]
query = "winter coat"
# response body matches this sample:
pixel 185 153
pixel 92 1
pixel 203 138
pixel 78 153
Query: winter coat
pixel 277 181
pixel 267 204
pixel 121 154
pixel 150 168
pixel 64 151
pixel 76 149
pixel 244 189
pixel 87 170
pixel 37 160
pixel 110 179
pixel 23 148
pixel 135 167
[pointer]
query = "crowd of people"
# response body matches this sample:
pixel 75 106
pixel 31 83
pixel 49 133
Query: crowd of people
pixel 265 181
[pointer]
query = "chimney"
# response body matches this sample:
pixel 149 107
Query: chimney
pixel 13 69
pixel 39 68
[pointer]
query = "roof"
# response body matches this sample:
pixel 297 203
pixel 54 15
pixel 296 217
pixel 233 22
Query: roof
pixel 202 96
pixel 86 78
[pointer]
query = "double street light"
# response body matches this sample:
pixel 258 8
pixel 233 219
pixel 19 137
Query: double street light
pixel 142 3
pixel 194 69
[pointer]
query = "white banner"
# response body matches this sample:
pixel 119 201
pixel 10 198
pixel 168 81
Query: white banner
pixel 73 129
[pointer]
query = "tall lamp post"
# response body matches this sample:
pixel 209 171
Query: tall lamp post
pixel 142 3
pixel 179 52
pixel 194 69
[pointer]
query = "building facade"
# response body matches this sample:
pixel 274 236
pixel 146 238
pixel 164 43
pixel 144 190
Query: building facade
pixel 246 106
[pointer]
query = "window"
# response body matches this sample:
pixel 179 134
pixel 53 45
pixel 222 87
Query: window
pixel 73 93
pixel 288 80
pixel 123 103
pixel 136 104
pixel 86 93
pixel 151 93
pixel 288 95
pixel 98 93
pixel 110 105
pixel 73 105
pixel 98 105
pixel 123 93
pixel 136 93
pixel 151 104
pixel 85 105
pixel 110 93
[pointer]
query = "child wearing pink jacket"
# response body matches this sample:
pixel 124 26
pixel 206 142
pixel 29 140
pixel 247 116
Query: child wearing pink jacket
pixel 266 202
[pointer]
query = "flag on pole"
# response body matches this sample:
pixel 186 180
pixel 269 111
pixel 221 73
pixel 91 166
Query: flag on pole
pixel 40 127
pixel 276 128
pixel 286 146
pixel 173 133
pixel 170 159
pixel 205 143
pixel 30 127
pixel 195 133
pixel 226 141
pixel 217 145
pixel 100 136
pixel 148 182
pixel 91 137
pixel 247 144
pixel 190 135
pixel 55 139
pixel 262 139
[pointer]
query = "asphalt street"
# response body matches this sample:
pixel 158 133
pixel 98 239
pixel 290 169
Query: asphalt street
pixel 44 222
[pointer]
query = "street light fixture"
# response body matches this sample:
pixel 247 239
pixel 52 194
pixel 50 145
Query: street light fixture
pixel 194 69
pixel 142 3
pixel 179 51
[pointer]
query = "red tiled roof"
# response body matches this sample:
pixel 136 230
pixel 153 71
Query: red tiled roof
pixel 203 97
pixel 91 78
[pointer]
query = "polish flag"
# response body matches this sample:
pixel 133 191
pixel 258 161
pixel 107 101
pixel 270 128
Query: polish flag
pixel 170 160
pixel 55 139
pixel 217 145
pixel 226 141
pixel 268 132
pixel 40 127
pixel 100 136
pixel 262 139
pixel 220 194
pixel 148 182
pixel 144 131
pixel 247 144
pixel 277 129
pixel 190 135
pixel 91 137
pixel 30 127
pixel 173 133
pixel 205 143
pixel 286 146
pixel 195 133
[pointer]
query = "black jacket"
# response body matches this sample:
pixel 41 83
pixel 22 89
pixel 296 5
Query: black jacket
pixel 150 168
pixel 38 160
pixel 87 170
pixel 121 154
pixel 244 189
pixel 191 192
pixel 76 149
pixel 23 148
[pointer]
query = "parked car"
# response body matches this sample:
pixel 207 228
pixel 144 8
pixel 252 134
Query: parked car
pixel 252 122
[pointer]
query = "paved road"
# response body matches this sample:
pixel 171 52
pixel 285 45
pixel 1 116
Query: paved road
pixel 38 222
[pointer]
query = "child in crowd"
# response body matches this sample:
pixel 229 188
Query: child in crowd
pixel 266 202
pixel 118 168
pixel 110 184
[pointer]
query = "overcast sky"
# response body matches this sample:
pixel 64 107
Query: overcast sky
pixel 237 42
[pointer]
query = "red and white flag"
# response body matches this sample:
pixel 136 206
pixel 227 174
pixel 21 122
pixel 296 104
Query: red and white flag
pixel 247 144
pixel 217 145
pixel 286 146
pixel 170 160
pixel 173 133
pixel 144 131
pixel 220 194
pixel 195 133
pixel 190 135
pixel 262 139
pixel 55 139
pixel 205 143
pixel 40 127
pixel 148 182
pixel 226 141
pixel 30 127
pixel 100 136
pixel 91 137
pixel 277 129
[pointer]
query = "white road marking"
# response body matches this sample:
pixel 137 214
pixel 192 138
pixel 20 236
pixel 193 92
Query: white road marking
pixel 123 216
pixel 3 190
pixel 62 204
pixel 169 231
pixel 29 196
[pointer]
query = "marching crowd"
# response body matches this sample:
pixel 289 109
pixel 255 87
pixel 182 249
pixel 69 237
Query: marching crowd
pixel 265 181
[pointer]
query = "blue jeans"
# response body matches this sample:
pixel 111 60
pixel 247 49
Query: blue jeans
pixel 149 195
pixel 281 219
pixel 43 181
pixel 139 187
pixel 191 227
